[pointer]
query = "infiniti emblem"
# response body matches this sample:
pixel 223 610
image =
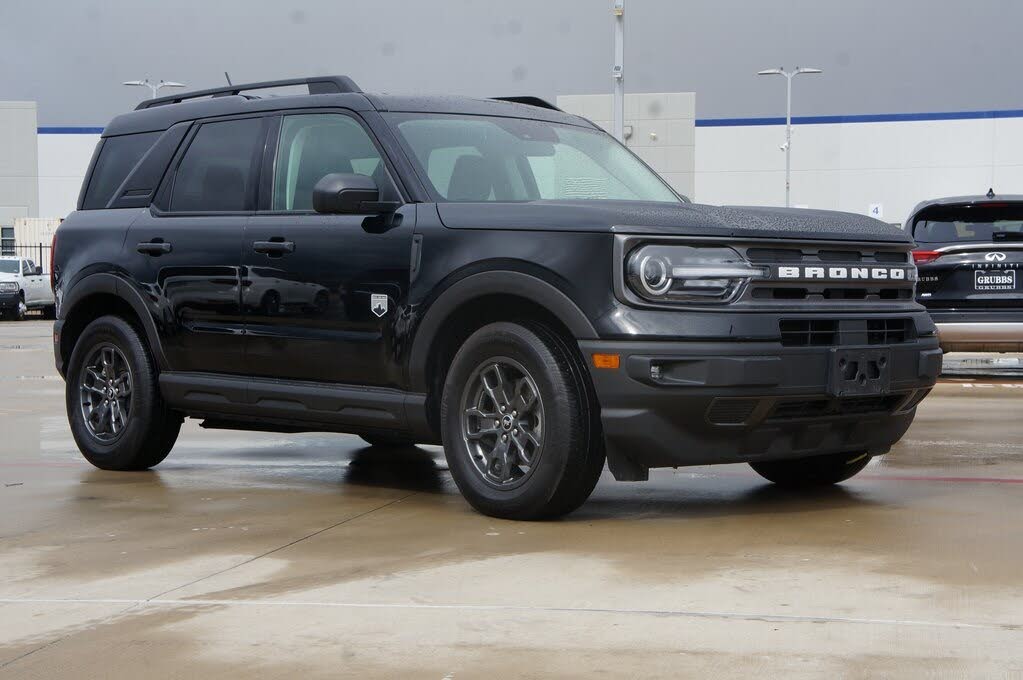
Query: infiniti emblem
pixel 995 257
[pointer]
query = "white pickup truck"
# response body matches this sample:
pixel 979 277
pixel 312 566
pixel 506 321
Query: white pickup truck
pixel 23 286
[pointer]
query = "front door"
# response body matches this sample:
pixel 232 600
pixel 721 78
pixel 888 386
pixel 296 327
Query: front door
pixel 322 293
pixel 185 255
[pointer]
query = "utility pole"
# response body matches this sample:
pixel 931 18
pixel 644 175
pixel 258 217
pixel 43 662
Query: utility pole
pixel 618 70
pixel 789 75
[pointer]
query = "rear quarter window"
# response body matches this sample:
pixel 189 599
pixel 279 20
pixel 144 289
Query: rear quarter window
pixel 117 156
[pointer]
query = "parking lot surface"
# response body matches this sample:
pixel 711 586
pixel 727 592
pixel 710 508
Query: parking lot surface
pixel 248 554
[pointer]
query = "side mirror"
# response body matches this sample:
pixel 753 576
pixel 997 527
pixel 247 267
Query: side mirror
pixel 346 193
pixel 39 270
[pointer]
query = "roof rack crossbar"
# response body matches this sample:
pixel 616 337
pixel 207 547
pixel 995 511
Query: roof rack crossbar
pixel 529 101
pixel 317 85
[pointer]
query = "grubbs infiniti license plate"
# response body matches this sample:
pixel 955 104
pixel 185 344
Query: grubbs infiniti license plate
pixel 994 279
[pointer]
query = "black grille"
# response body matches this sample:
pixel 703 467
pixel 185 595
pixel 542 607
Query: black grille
pixel 888 331
pixel 771 292
pixel 829 292
pixel 816 408
pixel 731 411
pixel 833 332
pixel 811 255
pixel 808 332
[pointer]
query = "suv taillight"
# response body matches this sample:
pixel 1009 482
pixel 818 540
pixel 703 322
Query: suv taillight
pixel 925 256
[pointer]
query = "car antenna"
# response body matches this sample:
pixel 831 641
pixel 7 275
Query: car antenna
pixel 228 78
pixel 991 192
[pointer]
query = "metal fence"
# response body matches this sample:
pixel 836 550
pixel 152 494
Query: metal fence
pixel 38 253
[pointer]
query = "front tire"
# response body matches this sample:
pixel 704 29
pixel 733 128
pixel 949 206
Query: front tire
pixel 117 416
pixel 812 471
pixel 520 423
pixel 20 310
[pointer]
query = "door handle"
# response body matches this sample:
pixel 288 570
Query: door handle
pixel 153 248
pixel 273 247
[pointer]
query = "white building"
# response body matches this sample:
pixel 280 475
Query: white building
pixel 887 162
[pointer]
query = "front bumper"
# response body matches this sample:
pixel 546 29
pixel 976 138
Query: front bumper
pixel 731 402
pixel 9 300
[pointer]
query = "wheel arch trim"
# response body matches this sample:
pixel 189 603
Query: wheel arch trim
pixel 502 282
pixel 103 283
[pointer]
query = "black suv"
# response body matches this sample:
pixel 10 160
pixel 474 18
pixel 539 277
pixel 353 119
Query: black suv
pixel 491 274
pixel 970 256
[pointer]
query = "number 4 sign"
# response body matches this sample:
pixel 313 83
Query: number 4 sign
pixel 876 211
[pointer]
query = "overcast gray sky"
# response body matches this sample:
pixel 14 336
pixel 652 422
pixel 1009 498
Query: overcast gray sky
pixel 879 56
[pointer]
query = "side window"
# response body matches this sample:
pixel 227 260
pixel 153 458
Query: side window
pixel 117 157
pixel 314 145
pixel 216 172
pixel 28 268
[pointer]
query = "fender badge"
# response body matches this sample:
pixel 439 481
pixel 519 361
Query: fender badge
pixel 378 303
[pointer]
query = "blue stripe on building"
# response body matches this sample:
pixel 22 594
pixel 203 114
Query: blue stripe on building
pixel 729 122
pixel 860 118
pixel 69 130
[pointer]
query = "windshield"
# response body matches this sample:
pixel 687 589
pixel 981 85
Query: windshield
pixel 10 266
pixel 970 224
pixel 480 158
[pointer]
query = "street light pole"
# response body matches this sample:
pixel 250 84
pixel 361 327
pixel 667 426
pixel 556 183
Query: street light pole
pixel 154 88
pixel 789 75
pixel 618 70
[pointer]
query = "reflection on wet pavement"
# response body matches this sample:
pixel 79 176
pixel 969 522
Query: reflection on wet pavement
pixel 249 554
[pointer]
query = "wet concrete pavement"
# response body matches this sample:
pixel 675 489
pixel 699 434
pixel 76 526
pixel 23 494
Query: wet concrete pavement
pixel 314 556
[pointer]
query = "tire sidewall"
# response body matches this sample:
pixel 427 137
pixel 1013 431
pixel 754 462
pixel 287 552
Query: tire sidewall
pixel 561 419
pixel 118 454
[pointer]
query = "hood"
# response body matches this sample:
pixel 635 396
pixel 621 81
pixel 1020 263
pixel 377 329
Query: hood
pixel 8 277
pixel 684 219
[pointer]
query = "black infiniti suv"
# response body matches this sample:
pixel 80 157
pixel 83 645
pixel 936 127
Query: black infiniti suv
pixel 493 275
pixel 970 253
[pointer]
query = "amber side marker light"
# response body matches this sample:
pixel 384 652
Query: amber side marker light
pixel 606 361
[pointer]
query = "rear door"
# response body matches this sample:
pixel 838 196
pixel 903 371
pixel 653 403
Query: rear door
pixel 970 256
pixel 323 305
pixel 36 284
pixel 185 251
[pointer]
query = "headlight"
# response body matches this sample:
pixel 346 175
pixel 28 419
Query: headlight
pixel 8 287
pixel 688 274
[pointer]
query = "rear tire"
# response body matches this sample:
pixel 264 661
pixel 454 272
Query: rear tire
pixel 812 471
pixel 117 416
pixel 50 312
pixel 541 456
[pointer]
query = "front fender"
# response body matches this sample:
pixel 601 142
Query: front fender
pixel 503 282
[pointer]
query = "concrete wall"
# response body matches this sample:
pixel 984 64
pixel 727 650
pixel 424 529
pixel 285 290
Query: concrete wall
pixel 19 184
pixel 841 163
pixel 856 164
pixel 63 160
pixel 663 129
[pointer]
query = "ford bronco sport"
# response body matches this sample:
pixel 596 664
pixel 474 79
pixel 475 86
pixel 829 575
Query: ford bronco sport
pixel 493 275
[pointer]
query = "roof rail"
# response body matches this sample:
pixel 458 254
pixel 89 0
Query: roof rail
pixel 317 85
pixel 529 101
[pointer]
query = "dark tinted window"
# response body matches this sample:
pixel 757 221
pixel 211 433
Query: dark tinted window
pixel 116 159
pixel 216 173
pixel 977 223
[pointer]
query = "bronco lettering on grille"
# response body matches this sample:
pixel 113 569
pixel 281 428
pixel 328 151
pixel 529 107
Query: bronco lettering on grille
pixel 844 273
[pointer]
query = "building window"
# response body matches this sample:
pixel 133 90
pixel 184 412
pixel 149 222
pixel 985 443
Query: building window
pixel 7 241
